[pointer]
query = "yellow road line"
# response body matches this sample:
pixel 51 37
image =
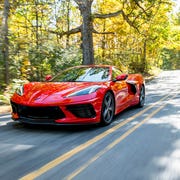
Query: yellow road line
pixel 83 146
pixel 114 143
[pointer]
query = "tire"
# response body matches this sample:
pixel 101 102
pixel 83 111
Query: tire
pixel 142 97
pixel 108 107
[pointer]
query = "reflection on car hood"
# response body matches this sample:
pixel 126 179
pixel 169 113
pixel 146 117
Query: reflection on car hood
pixel 43 92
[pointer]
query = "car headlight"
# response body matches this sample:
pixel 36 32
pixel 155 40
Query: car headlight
pixel 20 90
pixel 85 91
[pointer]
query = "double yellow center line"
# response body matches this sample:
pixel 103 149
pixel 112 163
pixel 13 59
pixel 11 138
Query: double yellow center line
pixel 85 145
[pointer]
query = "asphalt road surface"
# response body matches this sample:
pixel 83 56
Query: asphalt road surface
pixel 140 144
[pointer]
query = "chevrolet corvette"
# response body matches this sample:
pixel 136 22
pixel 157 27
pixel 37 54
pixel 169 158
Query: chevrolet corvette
pixel 87 94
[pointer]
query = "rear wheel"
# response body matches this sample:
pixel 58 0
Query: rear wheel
pixel 142 97
pixel 108 107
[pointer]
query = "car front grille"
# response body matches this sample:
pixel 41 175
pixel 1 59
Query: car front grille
pixel 32 112
pixel 82 110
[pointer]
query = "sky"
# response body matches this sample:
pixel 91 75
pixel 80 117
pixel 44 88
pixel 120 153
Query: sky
pixel 177 7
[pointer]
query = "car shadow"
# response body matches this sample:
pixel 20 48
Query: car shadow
pixel 51 128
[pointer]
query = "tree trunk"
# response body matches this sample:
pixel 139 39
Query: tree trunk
pixel 5 49
pixel 37 23
pixel 68 22
pixel 87 31
pixel 103 41
pixel 143 60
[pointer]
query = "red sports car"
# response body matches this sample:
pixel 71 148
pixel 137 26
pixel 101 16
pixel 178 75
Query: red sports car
pixel 79 95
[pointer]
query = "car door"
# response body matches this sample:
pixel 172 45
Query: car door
pixel 120 89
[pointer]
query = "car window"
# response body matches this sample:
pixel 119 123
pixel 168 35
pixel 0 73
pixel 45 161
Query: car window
pixel 83 74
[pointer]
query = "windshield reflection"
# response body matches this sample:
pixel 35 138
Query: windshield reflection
pixel 83 74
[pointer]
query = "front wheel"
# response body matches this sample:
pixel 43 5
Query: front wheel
pixel 142 97
pixel 108 106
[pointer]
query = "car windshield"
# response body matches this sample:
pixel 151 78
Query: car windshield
pixel 83 74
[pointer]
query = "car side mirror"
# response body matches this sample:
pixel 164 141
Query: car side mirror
pixel 121 77
pixel 48 78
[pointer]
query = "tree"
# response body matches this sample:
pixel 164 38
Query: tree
pixel 5 41
pixel 139 35
pixel 134 13
pixel 87 27
pixel 87 30
pixel 47 36
pixel 170 52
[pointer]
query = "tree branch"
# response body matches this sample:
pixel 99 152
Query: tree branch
pixel 145 11
pixel 72 31
pixel 103 16
pixel 125 17
pixel 137 3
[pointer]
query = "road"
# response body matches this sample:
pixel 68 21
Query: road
pixel 140 144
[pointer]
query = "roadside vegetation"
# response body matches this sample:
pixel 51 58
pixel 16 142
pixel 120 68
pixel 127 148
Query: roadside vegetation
pixel 40 37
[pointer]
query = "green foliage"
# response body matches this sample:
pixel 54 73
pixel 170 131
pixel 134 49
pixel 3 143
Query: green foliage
pixel 50 61
pixel 2 72
pixel 171 59
pixel 4 99
pixel 170 53
pixel 45 60
pixel 10 89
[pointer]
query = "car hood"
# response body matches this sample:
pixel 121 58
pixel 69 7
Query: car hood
pixel 51 91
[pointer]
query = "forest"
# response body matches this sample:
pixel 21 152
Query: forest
pixel 40 37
